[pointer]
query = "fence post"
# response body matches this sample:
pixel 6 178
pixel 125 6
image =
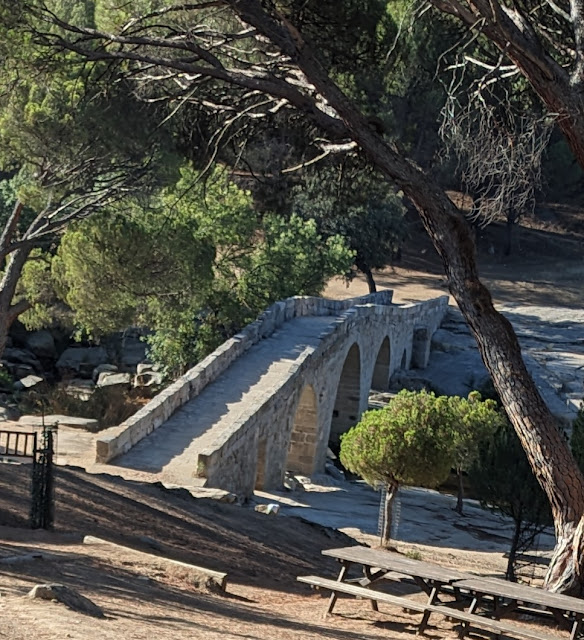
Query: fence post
pixel 42 505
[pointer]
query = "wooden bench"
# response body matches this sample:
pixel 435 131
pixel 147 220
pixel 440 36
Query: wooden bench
pixel 497 627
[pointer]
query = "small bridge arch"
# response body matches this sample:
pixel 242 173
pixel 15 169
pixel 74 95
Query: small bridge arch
pixel 346 409
pixel 381 368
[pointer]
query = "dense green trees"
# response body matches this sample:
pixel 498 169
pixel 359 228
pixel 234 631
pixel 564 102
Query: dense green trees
pixel 71 143
pixel 193 263
pixel 355 204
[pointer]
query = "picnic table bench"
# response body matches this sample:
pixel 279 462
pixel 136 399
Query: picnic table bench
pixel 436 581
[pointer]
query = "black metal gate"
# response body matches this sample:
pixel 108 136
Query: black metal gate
pixel 37 448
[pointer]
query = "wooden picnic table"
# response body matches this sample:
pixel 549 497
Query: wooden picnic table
pixel 510 596
pixel 437 581
pixel 378 564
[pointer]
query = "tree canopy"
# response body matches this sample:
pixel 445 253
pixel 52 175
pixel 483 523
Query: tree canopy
pixel 407 442
pixel 193 263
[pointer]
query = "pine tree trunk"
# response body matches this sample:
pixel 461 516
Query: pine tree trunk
pixel 9 311
pixel 390 493
pixel 370 281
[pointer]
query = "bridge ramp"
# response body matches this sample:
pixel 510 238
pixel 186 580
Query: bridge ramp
pixel 169 454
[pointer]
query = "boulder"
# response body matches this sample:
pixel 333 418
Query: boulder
pixel 8 413
pixel 20 371
pixel 79 388
pixel 132 352
pixel 146 367
pixel 42 344
pixel 148 379
pixel 103 368
pixel 27 382
pixel 269 509
pixel 22 357
pixel 81 360
pixel 107 379
pixel 69 597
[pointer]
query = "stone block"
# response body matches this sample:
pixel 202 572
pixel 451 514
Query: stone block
pixel 28 382
pixel 110 379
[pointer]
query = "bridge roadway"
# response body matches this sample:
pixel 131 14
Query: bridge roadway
pixel 169 454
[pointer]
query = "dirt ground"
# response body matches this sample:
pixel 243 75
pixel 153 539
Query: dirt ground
pixel 545 268
pixel 261 554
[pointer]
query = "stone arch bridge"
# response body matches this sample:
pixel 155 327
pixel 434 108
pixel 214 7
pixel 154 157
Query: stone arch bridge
pixel 275 396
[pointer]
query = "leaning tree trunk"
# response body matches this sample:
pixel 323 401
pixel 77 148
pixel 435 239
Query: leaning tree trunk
pixel 546 448
pixel 9 311
pixel 12 270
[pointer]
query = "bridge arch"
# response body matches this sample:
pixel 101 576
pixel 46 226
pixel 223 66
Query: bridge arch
pixel 381 368
pixel 303 440
pixel 346 409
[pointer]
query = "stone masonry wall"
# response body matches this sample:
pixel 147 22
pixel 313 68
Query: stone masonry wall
pixel 117 440
pixel 231 463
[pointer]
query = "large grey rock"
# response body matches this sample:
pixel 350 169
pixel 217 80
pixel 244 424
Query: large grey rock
pixel 20 371
pixel 42 344
pixel 69 597
pixel 107 379
pixel 146 367
pixel 148 379
pixel 80 388
pixel 22 357
pixel 81 360
pixel 133 352
pixel 27 383
pixel 103 368
pixel 8 413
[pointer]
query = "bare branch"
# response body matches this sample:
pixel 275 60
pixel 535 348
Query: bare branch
pixel 10 227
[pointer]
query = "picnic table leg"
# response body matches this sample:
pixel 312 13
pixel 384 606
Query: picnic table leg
pixel 370 577
pixel 344 568
pixel 575 628
pixel 431 599
pixel 464 627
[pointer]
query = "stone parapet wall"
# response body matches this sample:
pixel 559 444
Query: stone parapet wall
pixel 117 440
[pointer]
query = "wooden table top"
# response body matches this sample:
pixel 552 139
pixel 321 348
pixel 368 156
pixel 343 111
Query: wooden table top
pixel 521 592
pixel 391 561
